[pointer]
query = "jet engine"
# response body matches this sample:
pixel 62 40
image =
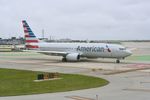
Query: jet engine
pixel 73 57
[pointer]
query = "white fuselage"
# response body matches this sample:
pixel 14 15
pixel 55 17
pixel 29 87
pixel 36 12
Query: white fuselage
pixel 73 51
pixel 89 50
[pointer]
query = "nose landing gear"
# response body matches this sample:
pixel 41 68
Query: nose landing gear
pixel 117 61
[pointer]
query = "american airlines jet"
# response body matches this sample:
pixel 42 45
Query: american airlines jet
pixel 74 51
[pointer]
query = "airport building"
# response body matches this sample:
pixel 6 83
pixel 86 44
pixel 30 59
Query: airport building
pixel 12 44
pixel 12 41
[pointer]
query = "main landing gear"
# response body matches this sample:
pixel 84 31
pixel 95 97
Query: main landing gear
pixel 117 61
pixel 64 59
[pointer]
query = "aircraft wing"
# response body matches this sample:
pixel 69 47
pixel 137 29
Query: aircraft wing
pixel 55 53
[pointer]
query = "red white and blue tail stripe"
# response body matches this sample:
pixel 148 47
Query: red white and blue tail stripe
pixel 30 39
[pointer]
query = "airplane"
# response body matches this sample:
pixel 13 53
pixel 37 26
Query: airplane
pixel 73 51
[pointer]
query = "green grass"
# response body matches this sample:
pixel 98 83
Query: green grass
pixel 19 82
pixel 140 58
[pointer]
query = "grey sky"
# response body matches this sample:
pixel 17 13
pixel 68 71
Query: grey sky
pixel 77 19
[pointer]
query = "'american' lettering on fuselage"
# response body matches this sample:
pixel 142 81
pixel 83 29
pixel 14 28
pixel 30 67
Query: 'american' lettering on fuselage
pixel 90 49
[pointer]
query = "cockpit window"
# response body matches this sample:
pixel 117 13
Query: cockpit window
pixel 122 48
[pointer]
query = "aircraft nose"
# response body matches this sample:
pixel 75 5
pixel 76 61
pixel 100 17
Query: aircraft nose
pixel 128 53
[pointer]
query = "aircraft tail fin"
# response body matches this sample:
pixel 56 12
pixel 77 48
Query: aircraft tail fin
pixel 30 37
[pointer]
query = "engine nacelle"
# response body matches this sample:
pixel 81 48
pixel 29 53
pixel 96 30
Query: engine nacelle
pixel 73 57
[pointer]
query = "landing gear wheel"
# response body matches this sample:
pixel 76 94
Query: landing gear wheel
pixel 64 60
pixel 117 61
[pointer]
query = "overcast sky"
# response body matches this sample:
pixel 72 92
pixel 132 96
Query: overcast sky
pixel 77 19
